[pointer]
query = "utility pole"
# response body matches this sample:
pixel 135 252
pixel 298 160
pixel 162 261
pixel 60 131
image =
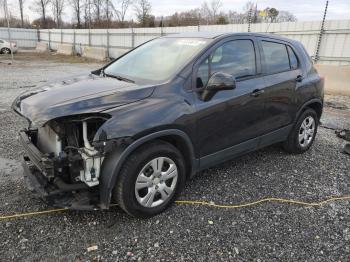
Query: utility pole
pixel 249 18
pixel 317 57
pixel 8 27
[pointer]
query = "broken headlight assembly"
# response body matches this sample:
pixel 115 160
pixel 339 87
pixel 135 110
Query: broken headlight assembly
pixel 68 141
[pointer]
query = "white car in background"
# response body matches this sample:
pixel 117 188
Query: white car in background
pixel 6 47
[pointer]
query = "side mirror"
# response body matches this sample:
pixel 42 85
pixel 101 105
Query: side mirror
pixel 221 81
pixel 217 82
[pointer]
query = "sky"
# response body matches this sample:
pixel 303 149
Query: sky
pixel 304 10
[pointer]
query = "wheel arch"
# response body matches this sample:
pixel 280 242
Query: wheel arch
pixel 114 161
pixel 315 104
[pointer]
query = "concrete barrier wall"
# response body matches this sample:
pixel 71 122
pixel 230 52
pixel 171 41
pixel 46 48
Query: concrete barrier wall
pixel 95 53
pixel 337 79
pixel 65 49
pixel 333 49
pixel 42 47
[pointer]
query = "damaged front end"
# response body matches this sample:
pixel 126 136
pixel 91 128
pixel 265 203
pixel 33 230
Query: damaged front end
pixel 62 163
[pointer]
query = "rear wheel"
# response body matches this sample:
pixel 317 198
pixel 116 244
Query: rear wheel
pixel 150 179
pixel 303 133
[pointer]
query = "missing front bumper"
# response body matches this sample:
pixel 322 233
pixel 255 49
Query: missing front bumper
pixel 39 176
pixel 53 194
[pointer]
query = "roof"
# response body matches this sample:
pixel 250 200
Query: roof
pixel 213 35
pixel 208 35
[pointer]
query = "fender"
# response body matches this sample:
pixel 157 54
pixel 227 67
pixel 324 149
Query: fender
pixel 309 102
pixel 112 165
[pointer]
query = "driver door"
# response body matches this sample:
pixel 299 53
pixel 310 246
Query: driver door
pixel 230 121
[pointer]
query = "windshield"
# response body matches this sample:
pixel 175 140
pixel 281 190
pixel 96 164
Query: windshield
pixel 157 60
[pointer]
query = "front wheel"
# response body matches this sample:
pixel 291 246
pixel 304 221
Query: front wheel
pixel 5 50
pixel 150 179
pixel 303 133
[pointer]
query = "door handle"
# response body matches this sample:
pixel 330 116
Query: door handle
pixel 257 92
pixel 299 78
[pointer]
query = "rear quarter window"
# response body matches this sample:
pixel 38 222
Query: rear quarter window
pixel 292 58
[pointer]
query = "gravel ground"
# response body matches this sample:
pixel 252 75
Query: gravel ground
pixel 267 232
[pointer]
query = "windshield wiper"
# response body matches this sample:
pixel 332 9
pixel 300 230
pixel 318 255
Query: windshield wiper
pixel 120 78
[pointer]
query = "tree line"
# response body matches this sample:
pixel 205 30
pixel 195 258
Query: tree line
pixel 114 14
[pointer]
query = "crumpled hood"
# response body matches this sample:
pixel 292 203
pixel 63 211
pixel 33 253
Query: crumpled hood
pixel 77 95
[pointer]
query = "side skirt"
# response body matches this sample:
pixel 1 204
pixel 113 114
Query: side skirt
pixel 245 147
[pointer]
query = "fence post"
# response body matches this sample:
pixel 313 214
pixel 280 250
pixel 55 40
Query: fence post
pixel 38 34
pixel 61 36
pixel 49 38
pixel 161 27
pixel 107 43
pixel 89 37
pixel 74 51
pixel 132 37
pixel 199 22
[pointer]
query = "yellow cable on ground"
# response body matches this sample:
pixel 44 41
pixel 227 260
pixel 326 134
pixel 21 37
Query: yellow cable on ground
pixel 206 203
pixel 33 213
pixel 269 199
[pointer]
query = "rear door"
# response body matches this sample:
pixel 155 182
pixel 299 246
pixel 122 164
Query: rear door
pixel 282 73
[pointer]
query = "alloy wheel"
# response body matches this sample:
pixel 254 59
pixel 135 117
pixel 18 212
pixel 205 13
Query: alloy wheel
pixel 306 131
pixel 156 182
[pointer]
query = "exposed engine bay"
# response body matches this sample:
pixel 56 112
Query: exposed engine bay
pixel 68 143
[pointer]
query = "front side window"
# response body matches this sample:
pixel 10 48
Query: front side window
pixel 276 57
pixel 157 60
pixel 236 58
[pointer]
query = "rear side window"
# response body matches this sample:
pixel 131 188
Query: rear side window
pixel 276 57
pixel 1 41
pixel 236 58
pixel 292 58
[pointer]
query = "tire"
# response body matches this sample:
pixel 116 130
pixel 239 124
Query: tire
pixel 300 138
pixel 138 167
pixel 5 50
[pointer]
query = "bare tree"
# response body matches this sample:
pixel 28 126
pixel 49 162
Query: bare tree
pixel 248 9
pixel 77 9
pixel 215 8
pixel 97 6
pixel 40 6
pixel 211 10
pixel 121 9
pixel 87 13
pixel 21 4
pixel 285 16
pixel 143 10
pixel 109 7
pixel 57 10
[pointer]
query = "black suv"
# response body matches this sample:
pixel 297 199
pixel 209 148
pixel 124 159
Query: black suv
pixel 135 130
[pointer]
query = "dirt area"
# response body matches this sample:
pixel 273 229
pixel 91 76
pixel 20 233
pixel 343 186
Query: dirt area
pixel 266 232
